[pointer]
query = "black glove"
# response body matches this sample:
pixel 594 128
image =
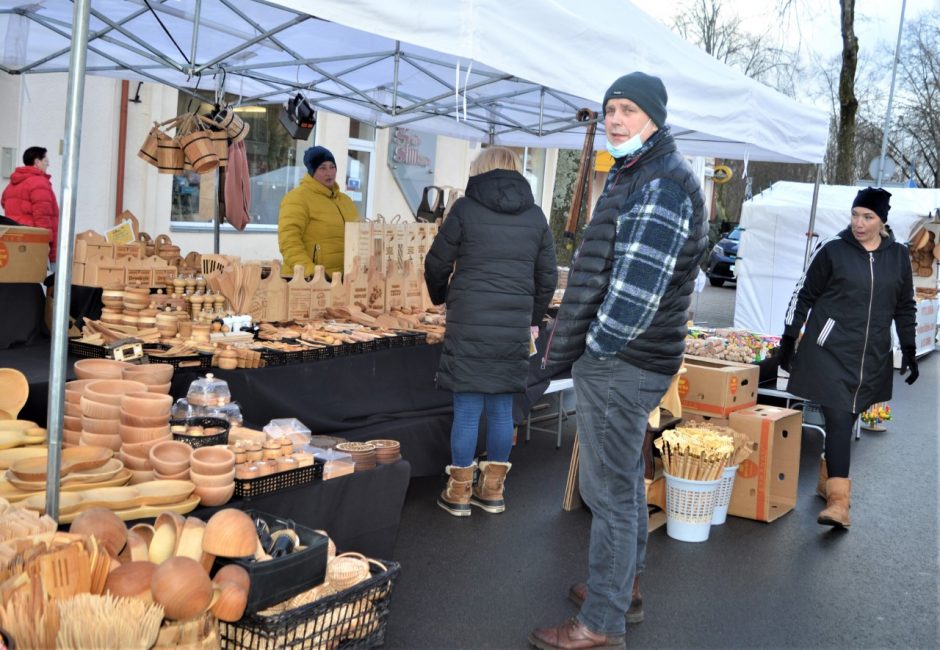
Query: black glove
pixel 909 362
pixel 785 352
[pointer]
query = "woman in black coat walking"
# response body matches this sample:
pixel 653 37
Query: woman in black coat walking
pixel 857 283
pixel 493 262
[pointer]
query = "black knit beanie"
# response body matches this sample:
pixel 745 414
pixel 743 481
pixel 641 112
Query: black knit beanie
pixel 875 199
pixel 645 91
pixel 316 156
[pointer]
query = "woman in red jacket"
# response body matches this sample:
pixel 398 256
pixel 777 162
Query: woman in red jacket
pixel 29 199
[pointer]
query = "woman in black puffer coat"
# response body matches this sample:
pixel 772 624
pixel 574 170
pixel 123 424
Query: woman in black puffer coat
pixel 493 262
pixel 857 284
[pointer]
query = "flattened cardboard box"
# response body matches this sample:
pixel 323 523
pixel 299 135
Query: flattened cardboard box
pixel 766 483
pixel 716 388
pixel 24 252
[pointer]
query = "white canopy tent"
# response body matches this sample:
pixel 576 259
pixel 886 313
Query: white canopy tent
pixel 503 72
pixel 774 223
pixel 488 70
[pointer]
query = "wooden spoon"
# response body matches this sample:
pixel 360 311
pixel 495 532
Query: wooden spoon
pixel 14 391
pixel 74 459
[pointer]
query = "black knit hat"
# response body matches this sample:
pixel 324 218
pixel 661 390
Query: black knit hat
pixel 645 91
pixel 875 199
pixel 316 156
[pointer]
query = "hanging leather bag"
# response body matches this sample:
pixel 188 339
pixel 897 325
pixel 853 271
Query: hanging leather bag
pixel 428 212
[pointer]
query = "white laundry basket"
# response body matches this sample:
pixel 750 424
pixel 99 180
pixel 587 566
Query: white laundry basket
pixel 689 508
pixel 723 496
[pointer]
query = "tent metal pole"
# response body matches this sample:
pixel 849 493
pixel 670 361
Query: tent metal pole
pixel 60 310
pixel 197 10
pixel 894 73
pixel 812 217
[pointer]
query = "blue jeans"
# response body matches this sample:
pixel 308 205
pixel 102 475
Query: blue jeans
pixel 466 428
pixel 614 403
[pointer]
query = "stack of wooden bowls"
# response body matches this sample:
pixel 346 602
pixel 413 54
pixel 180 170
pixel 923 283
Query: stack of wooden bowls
pixel 144 422
pixel 72 424
pixel 101 409
pixel 363 454
pixel 157 377
pixel 387 451
pixel 170 460
pixel 212 469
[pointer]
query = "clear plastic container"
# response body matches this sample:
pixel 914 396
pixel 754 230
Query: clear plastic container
pixel 293 428
pixel 182 410
pixel 208 391
pixel 230 411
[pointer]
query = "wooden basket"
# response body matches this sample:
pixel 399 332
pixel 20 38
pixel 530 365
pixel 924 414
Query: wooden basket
pixel 199 151
pixel 169 156
pixel 148 150
pixel 349 569
pixel 234 126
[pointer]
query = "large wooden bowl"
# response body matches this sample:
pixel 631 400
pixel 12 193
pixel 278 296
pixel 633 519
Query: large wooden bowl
pixel 99 369
pixel 110 391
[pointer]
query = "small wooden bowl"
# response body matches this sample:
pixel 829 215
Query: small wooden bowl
pixel 163 389
pixel 247 471
pixel 232 601
pixel 131 435
pixel 183 587
pixel 71 422
pixel 216 459
pixel 105 426
pixel 136 463
pixel 101 410
pixel 146 404
pixel 131 580
pixel 167 529
pixel 99 368
pixel 151 373
pixel 214 496
pixel 233 573
pixel 73 409
pixel 142 449
pixel 170 457
pixel 143 421
pixel 212 480
pixel 176 476
pixel 110 391
pixel 106 526
pixel 139 476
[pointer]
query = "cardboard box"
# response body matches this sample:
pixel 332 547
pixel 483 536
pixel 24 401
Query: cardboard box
pixel 766 483
pixel 24 254
pixel 716 388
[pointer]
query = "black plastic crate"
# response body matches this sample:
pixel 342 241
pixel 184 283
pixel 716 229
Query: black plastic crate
pixel 282 357
pixel 87 350
pixel 317 353
pixel 354 618
pixel 413 338
pixel 202 441
pixel 198 360
pixel 256 487
pixel 274 581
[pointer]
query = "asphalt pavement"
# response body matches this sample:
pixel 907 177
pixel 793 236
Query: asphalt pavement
pixel 487 580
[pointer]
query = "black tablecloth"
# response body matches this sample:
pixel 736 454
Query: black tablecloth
pixel 361 512
pixel 22 311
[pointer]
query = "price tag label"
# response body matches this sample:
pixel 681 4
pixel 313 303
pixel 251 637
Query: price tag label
pixel 122 233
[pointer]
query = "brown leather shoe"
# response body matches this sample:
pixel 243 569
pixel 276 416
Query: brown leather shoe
pixel 573 635
pixel 577 593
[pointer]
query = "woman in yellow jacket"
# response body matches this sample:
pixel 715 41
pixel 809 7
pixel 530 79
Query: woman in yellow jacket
pixel 311 225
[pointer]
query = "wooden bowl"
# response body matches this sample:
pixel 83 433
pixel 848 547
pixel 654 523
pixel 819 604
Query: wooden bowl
pixel 99 368
pixel 73 460
pixel 144 531
pixel 106 527
pixel 110 391
pixel 167 528
pixel 131 435
pixel 163 389
pixel 144 421
pixel 142 449
pixel 71 437
pixel 68 502
pixel 139 476
pixel 135 462
pixel 73 409
pixel 101 410
pixel 112 442
pixel 233 573
pixel 214 496
pixel 151 373
pixel 135 551
pixel 99 425
pixel 131 580
pixel 183 587
pixel 170 457
pixel 212 480
pixel 146 404
pixel 176 476
pixel 217 459
pixel 71 422
pixel 230 533
pixel 112 498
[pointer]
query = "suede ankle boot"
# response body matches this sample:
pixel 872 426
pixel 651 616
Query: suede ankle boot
pixel 578 592
pixel 455 498
pixel 838 502
pixel 823 477
pixel 488 492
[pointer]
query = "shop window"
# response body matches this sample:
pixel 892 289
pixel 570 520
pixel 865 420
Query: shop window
pixel 360 166
pixel 275 166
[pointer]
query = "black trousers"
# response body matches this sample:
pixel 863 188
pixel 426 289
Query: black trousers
pixel 839 428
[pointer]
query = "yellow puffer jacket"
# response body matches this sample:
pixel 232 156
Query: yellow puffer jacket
pixel 311 226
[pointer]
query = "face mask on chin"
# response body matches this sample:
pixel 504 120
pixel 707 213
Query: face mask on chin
pixel 630 146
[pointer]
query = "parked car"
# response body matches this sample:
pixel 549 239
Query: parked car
pixel 722 259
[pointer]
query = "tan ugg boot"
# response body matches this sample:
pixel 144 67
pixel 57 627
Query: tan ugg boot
pixel 838 503
pixel 488 492
pixel 455 498
pixel 823 477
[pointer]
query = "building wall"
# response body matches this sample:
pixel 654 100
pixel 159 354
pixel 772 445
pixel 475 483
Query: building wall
pixel 33 108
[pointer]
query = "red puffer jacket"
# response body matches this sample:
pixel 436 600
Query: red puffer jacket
pixel 29 201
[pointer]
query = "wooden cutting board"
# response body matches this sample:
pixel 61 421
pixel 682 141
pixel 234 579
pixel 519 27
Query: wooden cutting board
pixel 357 286
pixel 376 283
pixel 274 295
pixel 298 295
pixel 394 286
pixel 338 295
pixel 320 292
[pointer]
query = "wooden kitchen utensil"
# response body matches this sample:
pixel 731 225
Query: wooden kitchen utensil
pixel 14 391
pixel 74 459
pixel 320 292
pixel 274 289
pixel 298 295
